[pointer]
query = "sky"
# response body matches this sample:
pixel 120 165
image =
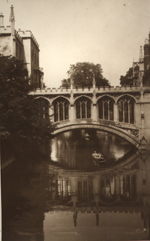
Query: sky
pixel 106 32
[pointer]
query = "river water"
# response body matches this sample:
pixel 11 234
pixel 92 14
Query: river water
pixel 70 196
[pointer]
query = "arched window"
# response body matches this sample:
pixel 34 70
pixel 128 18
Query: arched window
pixel 43 108
pixel 126 109
pixel 88 109
pixel 111 110
pixel 61 109
pixel 100 105
pixel 83 108
pixel 56 111
pixel 78 110
pixel 106 108
pixel 66 111
pixel 120 107
pixel 131 110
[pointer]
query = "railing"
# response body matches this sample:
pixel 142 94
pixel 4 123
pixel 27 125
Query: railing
pixel 103 89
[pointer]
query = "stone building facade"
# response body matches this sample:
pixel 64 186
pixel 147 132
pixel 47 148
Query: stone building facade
pixel 22 45
pixel 141 68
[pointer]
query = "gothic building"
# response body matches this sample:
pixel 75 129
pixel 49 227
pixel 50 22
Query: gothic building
pixel 22 45
pixel 141 69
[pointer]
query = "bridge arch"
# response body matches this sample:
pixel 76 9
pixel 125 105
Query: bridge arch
pixel 111 129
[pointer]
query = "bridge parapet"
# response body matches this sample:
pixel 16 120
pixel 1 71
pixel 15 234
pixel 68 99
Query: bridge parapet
pixel 105 89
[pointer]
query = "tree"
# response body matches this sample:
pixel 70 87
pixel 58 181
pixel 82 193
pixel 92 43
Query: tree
pixel 127 80
pixel 82 75
pixel 19 111
pixel 66 83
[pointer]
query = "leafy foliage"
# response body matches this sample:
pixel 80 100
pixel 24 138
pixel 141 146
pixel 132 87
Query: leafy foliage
pixel 66 83
pixel 19 111
pixel 127 80
pixel 82 75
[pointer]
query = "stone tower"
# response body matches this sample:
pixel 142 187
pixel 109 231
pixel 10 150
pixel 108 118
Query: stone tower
pixel 22 45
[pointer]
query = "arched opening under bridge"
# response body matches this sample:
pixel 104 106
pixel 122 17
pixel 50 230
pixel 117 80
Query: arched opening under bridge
pixel 112 129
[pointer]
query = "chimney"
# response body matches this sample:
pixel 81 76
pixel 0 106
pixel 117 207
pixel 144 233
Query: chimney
pixel 1 20
pixel 12 19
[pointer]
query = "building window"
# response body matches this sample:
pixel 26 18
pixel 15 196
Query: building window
pixel 43 108
pixel 83 108
pixel 106 108
pixel 126 109
pixel 61 109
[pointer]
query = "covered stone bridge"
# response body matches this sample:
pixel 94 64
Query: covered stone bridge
pixel 113 109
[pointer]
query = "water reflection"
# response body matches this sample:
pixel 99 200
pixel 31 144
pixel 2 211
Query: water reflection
pixel 44 201
pixel 117 200
pixel 74 149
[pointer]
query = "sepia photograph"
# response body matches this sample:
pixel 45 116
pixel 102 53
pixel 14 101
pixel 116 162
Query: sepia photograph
pixel 75 120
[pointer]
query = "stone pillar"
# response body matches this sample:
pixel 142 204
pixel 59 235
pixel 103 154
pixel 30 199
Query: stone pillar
pixel 51 112
pixel 72 110
pixel 94 113
pixel 72 113
pixel 12 20
pixel 115 112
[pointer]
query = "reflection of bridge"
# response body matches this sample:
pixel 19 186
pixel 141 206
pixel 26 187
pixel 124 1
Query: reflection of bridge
pixel 123 111
pixel 122 193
